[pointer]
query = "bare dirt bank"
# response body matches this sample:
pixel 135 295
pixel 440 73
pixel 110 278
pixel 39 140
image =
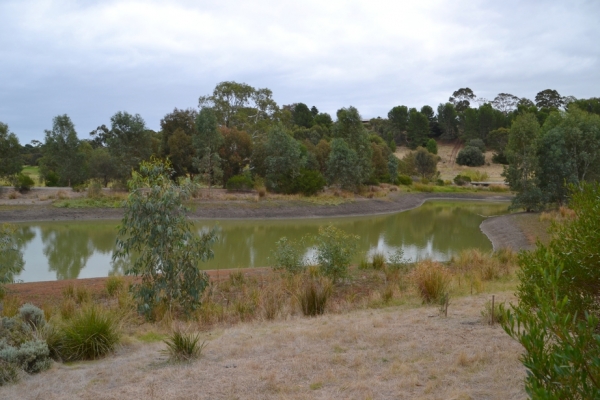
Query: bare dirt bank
pixel 239 209
pixel 504 232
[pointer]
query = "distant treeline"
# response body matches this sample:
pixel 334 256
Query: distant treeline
pixel 240 131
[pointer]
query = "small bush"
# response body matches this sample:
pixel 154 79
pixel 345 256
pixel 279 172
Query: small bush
pixel 23 183
pixel 288 257
pixel 183 346
pixel 431 146
pixel 309 182
pixel 89 335
pixel 439 182
pixel 432 280
pixel 405 180
pixel 114 285
pixel 32 356
pixel 378 261
pixel 461 180
pixel 313 296
pixel 239 183
pixel 51 179
pixel 470 156
pixel 32 316
pixel 334 251
pixel 477 143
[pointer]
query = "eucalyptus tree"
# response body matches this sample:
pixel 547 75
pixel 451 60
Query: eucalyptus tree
pixel 177 129
pixel 349 127
pixel 283 160
pixel 207 142
pixel 61 153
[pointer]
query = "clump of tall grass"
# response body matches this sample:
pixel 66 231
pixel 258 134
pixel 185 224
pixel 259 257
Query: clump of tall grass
pixel 82 295
pixel 432 280
pixel 378 261
pixel 476 175
pixel 313 295
pixel 487 266
pixel 90 334
pixel 421 187
pixel 496 316
pixel 114 285
pixel 184 346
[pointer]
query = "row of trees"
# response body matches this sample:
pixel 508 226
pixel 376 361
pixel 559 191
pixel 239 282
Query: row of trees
pixel 239 129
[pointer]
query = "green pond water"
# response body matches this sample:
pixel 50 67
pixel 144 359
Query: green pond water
pixel 437 229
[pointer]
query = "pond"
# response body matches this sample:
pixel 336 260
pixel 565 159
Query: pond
pixel 437 229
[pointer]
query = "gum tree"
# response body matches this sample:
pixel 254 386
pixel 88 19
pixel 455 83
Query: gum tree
pixel 166 249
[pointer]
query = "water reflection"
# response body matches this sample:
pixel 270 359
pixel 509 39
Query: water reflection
pixel 66 250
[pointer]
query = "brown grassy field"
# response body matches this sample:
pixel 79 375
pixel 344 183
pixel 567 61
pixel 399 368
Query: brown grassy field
pixel 389 353
pixel 376 340
pixel 449 169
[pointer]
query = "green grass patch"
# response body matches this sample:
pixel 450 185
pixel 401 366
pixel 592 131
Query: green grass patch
pixel 102 202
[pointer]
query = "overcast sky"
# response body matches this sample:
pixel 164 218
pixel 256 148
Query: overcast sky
pixel 90 59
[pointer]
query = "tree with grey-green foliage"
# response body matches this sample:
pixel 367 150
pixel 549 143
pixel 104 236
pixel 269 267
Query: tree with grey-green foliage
pixel 11 257
pixel 521 152
pixel 61 153
pixel 167 249
pixel 568 153
pixel 283 160
pixel 425 163
pixel 398 122
pixel 350 128
pixel 342 165
pixel 207 141
pixel 11 162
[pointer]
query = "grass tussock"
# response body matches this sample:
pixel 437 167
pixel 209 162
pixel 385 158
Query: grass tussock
pixel 313 295
pixel 183 346
pixel 90 334
pixel 114 285
pixel 378 261
pixel 432 280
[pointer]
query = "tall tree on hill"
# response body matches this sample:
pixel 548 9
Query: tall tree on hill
pixel 398 117
pixel 462 98
pixel 505 102
pixel 235 151
pixel 418 129
pixel 549 98
pixel 448 120
pixel 302 115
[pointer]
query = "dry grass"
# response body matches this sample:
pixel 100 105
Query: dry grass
pixel 388 353
pixel 449 169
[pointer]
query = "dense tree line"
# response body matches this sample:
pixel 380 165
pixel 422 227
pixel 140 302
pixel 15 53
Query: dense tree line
pixel 240 130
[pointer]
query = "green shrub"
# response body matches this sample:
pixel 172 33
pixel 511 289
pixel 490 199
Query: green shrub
pixel 313 296
pixel 405 180
pixel 432 280
pixel 94 190
pixel 439 182
pixel 90 334
pixel 461 180
pixel 471 157
pixel 23 183
pixel 477 143
pixel 431 146
pixel 397 262
pixel 32 315
pixel 9 373
pixel 239 183
pixel 182 346
pixel 309 182
pixel 556 319
pixel 32 356
pixel 334 251
pixel 288 257
pixel 51 179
